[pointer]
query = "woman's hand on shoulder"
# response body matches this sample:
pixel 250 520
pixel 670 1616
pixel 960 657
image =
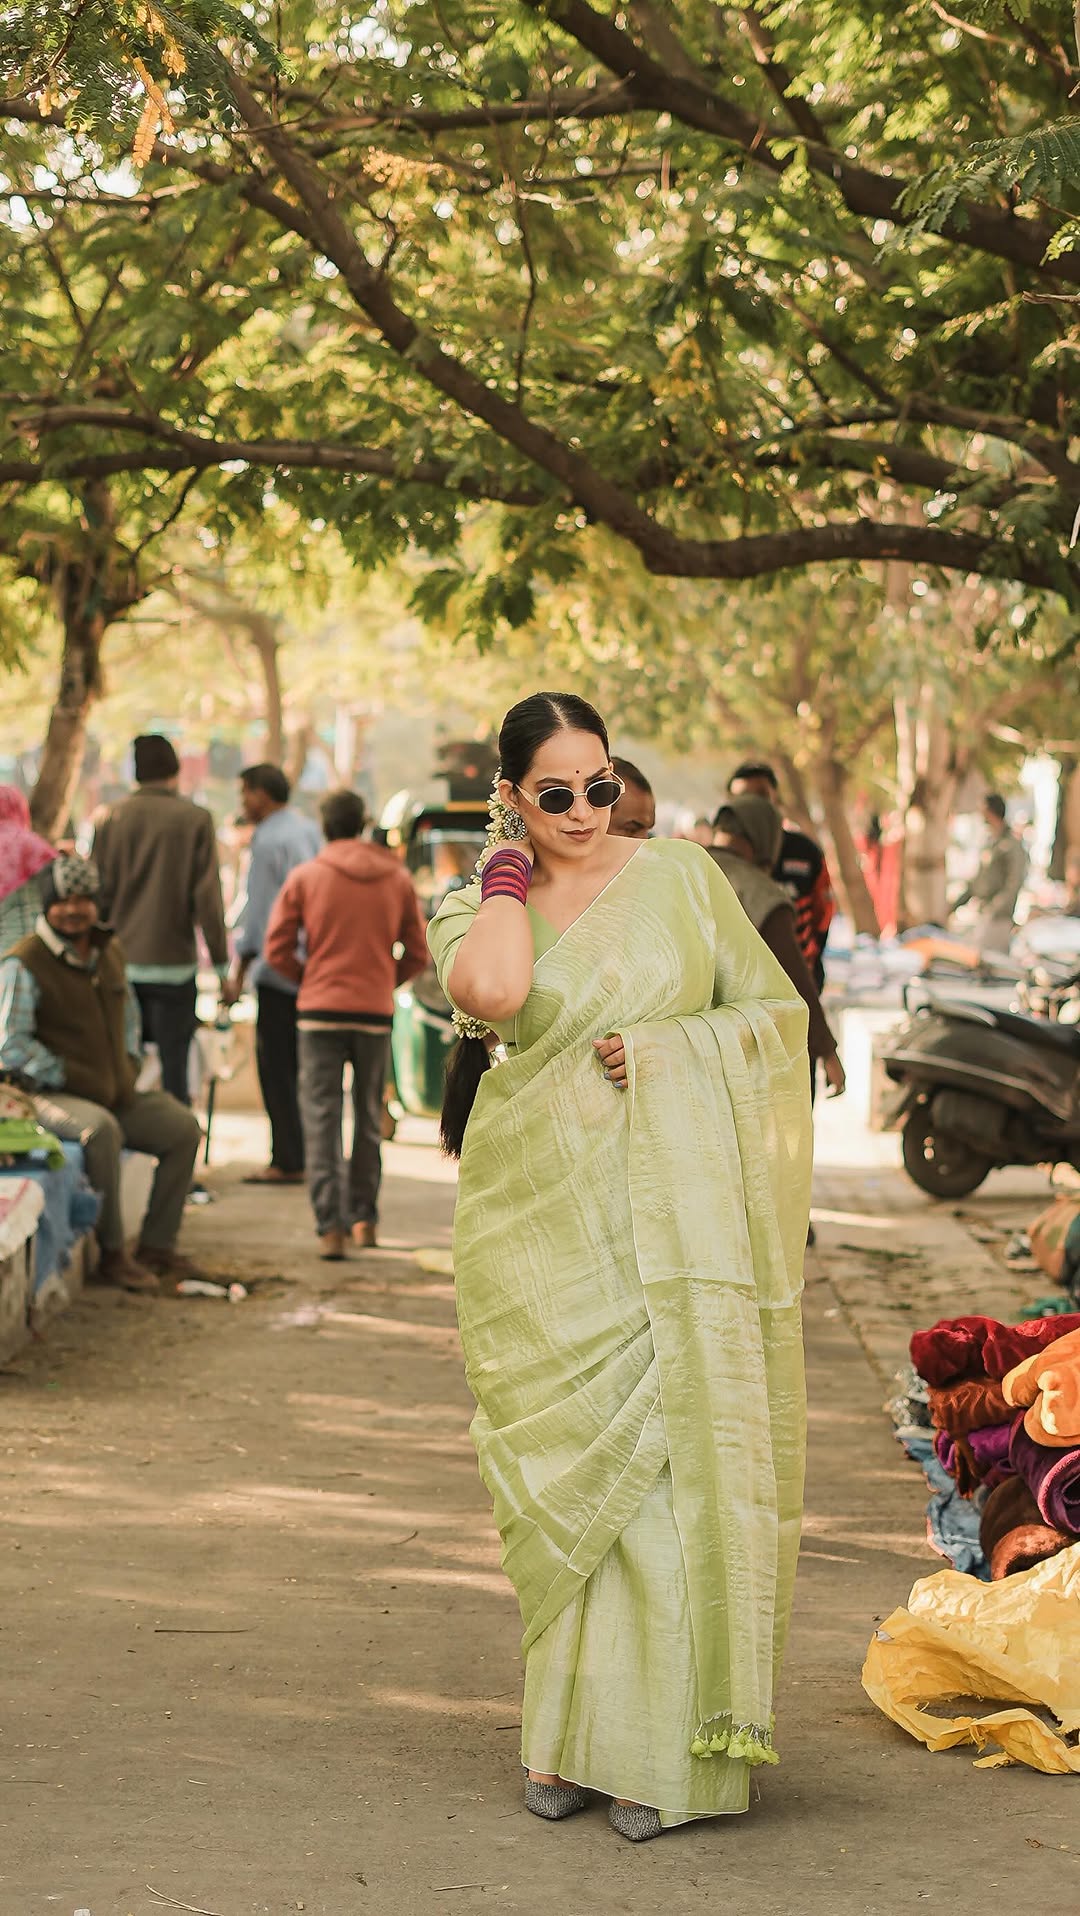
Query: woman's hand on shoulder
pixel 611 1052
pixel 506 845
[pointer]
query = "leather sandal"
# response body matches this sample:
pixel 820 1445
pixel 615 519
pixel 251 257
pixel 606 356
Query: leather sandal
pixel 127 1273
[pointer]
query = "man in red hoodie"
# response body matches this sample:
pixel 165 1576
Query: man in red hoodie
pixel 351 905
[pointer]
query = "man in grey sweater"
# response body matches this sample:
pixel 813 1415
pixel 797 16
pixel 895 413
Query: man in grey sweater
pixel 157 855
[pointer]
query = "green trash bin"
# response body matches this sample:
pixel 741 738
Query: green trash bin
pixel 440 844
pixel 421 1041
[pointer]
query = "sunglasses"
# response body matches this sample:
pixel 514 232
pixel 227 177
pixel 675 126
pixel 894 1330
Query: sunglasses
pixel 601 793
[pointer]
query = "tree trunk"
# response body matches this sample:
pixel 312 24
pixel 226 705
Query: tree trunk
pixel 794 797
pixel 1067 834
pixel 831 779
pixel 65 740
pixel 300 742
pixel 92 589
pixel 927 778
pixel 263 635
pixel 80 686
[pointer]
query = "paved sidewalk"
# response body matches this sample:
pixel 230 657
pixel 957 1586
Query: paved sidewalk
pixel 899 1260
pixel 259 1654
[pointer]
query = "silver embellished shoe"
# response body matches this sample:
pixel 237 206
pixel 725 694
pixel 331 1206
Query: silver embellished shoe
pixel 553 1801
pixel 636 1821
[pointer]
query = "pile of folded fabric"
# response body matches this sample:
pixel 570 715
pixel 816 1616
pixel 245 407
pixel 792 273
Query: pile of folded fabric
pixel 1004 1402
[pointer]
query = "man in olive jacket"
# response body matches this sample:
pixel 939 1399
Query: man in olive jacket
pixel 157 855
pixel 998 882
pixel 69 1032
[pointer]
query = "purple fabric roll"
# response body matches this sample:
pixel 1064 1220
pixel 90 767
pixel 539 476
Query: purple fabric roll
pixel 990 1447
pixel 1052 1476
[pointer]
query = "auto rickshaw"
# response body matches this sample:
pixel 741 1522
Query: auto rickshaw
pixel 439 843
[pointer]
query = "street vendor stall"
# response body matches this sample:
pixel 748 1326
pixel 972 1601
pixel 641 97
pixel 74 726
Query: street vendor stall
pixel 993 1414
pixel 21 1204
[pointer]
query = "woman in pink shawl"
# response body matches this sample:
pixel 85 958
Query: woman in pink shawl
pixel 22 856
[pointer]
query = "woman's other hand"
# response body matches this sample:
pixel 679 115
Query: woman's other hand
pixel 612 1055
pixel 836 1075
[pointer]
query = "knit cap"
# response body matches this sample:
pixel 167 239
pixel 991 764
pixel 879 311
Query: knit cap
pixel 70 876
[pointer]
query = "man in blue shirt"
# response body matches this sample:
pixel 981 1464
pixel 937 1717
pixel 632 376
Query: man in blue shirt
pixel 283 838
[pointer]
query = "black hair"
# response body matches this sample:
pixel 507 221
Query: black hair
pixel 996 804
pixel 526 727
pixel 343 815
pixel 754 768
pixel 269 779
pixel 531 722
pixel 630 775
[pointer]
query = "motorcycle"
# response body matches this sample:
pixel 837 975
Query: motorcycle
pixel 978 1088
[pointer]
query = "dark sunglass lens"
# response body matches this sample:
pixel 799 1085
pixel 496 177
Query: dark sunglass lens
pixel 603 792
pixel 559 799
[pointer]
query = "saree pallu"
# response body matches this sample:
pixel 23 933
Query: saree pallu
pixel 628 1272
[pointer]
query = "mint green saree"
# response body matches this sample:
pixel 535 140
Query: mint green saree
pixel 628 1270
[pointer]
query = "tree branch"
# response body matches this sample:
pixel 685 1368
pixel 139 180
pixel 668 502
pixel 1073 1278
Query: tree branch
pixel 866 193
pixel 799 112
pixel 318 218
pixel 1051 455
pixel 179 451
pixel 908 465
pixel 580 103
pixel 758 555
pixel 664 554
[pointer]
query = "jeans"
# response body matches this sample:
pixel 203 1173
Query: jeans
pixel 153 1122
pixel 169 1022
pixel 341 1195
pixel 275 1060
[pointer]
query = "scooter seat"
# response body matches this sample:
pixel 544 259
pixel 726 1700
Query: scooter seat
pixel 1042 1031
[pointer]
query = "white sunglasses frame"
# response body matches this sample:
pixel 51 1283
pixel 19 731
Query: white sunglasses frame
pixel 604 778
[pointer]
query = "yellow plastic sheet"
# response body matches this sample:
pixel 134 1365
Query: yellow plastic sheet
pixel 1014 1642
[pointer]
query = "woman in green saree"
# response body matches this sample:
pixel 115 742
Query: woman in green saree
pixel 628 1251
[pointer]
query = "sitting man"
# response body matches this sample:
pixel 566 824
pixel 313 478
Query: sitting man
pixel 69 1032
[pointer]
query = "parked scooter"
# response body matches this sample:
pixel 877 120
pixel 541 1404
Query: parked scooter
pixel 1050 985
pixel 979 1088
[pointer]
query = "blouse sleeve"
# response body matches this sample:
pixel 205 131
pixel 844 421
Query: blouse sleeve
pixel 448 927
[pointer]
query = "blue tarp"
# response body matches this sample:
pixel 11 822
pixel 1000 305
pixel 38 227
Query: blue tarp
pixel 71 1208
pixel 952 1521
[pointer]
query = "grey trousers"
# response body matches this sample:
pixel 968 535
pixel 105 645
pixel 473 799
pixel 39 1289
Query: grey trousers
pixel 341 1195
pixel 153 1122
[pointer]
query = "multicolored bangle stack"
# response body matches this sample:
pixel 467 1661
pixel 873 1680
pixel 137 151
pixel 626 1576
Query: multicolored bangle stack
pixel 506 875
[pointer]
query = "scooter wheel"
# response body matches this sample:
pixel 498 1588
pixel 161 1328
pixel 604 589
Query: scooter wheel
pixel 942 1167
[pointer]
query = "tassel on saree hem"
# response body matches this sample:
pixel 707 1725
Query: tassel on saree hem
pixel 750 1743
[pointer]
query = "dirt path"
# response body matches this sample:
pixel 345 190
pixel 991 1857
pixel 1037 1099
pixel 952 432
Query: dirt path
pixel 259 1656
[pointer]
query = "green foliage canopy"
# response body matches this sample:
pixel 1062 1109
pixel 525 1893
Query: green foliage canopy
pixel 671 271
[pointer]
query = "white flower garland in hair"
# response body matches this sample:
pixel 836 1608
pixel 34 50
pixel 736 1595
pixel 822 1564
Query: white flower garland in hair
pixel 505 827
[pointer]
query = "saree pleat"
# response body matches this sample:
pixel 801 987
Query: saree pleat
pixel 628 1270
